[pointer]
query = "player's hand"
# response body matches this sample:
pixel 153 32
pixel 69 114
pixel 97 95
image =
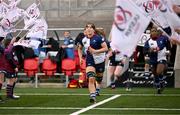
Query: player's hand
pixel 91 50
pixel 16 69
pixel 109 54
pixel 80 61
pixel 64 46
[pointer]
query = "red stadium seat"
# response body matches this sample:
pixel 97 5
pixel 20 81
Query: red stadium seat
pixel 31 66
pixel 76 53
pixel 48 67
pixel 68 66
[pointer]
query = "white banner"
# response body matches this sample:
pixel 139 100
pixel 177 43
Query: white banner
pixel 129 24
pixel 143 39
pixel 33 11
pixel 154 9
pixel 170 15
pixel 24 43
pixel 3 9
pixel 2 32
pixel 28 43
pixel 39 29
pixel 12 16
pixel 31 14
pixel 13 3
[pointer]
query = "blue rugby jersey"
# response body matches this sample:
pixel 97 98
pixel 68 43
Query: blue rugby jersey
pixel 161 42
pixel 95 42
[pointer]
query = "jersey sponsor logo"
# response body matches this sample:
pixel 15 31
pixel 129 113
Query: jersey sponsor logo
pixel 94 41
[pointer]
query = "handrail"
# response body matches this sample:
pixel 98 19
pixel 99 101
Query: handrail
pixel 40 73
pixel 62 29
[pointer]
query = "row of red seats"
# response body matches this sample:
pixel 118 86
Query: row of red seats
pixel 68 66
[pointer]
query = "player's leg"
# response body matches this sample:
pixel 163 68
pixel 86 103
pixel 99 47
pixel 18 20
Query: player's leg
pixel 1 83
pixel 11 79
pixel 118 70
pixel 99 78
pixel 111 70
pixel 160 73
pixel 14 84
pixel 146 68
pixel 100 68
pixel 156 77
pixel 90 71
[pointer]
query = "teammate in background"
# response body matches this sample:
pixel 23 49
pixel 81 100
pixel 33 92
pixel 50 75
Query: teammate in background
pixel 116 64
pixel 101 32
pixel 146 59
pixel 156 47
pixel 82 46
pixel 95 47
pixel 78 39
pixel 146 54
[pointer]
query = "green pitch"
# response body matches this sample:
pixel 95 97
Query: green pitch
pixel 46 101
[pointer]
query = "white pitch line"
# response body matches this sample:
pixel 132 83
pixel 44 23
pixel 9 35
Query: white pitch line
pixel 40 108
pixel 77 108
pixel 161 95
pixel 50 94
pixel 64 94
pixel 95 105
pixel 141 109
